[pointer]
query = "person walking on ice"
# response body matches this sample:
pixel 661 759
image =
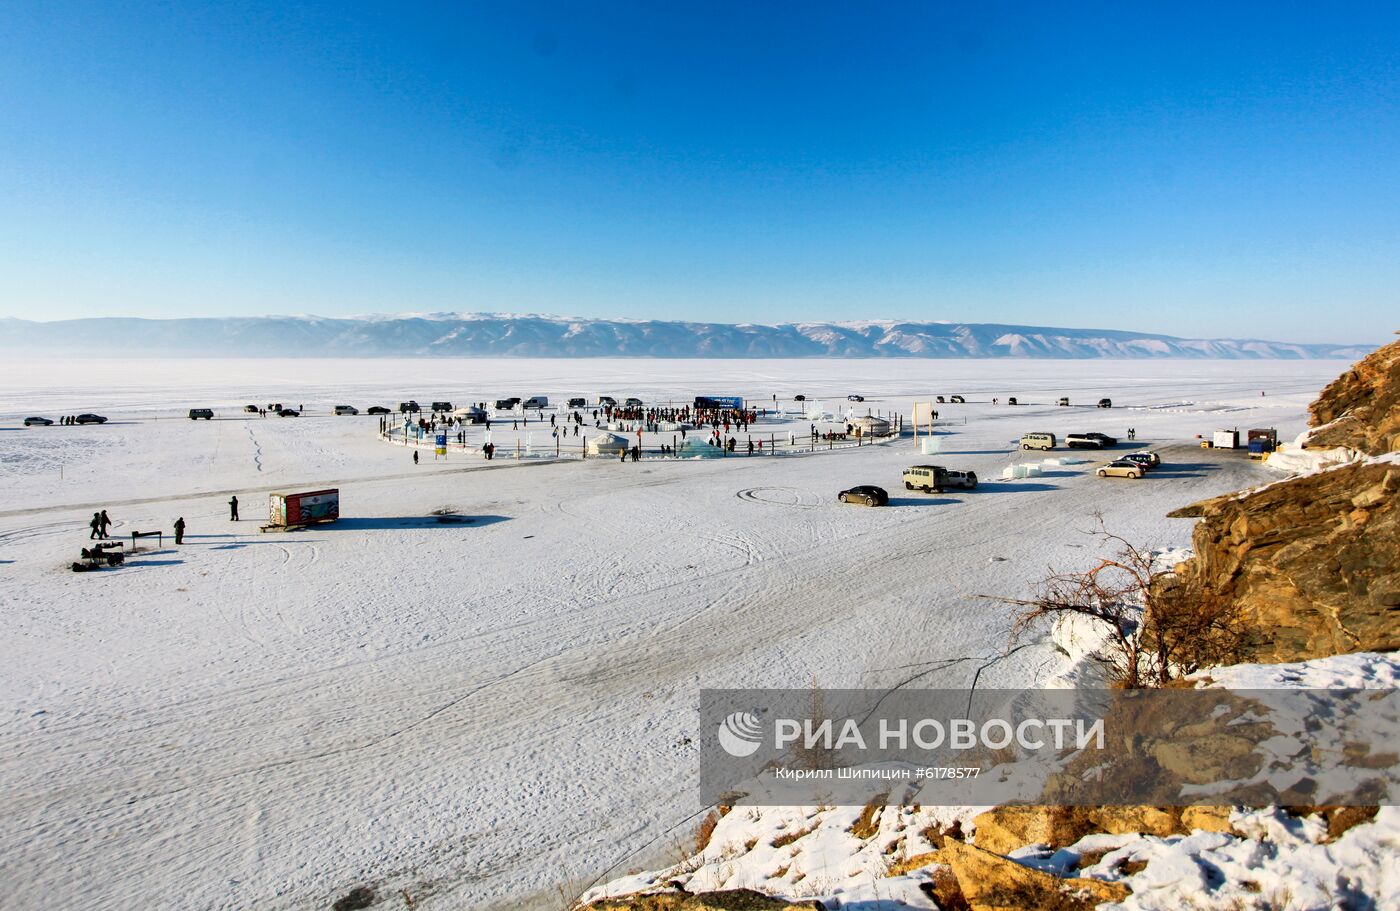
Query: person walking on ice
pixel 180 530
pixel 96 526
pixel 233 508
pixel 106 522
pixel 415 457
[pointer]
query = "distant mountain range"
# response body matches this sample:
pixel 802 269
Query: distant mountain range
pixel 508 335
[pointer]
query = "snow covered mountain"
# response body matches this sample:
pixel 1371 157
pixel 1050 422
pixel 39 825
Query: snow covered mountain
pixel 510 335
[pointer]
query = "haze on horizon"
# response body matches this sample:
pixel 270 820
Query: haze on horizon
pixel 1189 170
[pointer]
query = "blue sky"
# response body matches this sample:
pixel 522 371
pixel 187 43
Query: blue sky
pixel 1203 170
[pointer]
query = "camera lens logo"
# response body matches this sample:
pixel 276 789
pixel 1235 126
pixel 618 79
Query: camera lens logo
pixel 740 734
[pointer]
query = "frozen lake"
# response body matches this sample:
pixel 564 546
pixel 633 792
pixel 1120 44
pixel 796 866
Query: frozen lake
pixel 484 711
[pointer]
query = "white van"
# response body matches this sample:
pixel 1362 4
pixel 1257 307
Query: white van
pixel 1038 441
pixel 536 402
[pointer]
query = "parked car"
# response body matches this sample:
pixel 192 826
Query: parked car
pixel 1083 441
pixel 939 400
pixel 1148 460
pixel 289 413
pixel 1038 440
pixel 578 403
pixel 799 398
pixel 855 398
pixel 1105 403
pixel 958 400
pixel 1012 401
pixel 1064 400
pixel 346 409
pixel 537 402
pixel 409 407
pixel 197 413
pixel 607 400
pixel 251 409
pixel 1120 468
pixel 89 419
pixel 37 422
pixel 1103 438
pixel 928 478
pixel 965 480
pixel 377 409
pixel 507 404
pixel 633 402
pixel 868 494
pixel 442 406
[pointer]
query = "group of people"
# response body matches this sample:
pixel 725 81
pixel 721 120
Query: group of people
pixel 68 420
pixel 101 523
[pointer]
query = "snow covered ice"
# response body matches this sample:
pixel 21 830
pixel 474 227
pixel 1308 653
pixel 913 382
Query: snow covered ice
pixel 482 712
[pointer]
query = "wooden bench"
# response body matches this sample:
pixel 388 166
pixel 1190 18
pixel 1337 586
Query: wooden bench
pixel 158 535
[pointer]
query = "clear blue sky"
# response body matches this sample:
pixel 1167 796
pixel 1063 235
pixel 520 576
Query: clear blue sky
pixel 1213 169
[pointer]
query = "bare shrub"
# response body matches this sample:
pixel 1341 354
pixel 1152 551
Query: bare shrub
pixel 868 823
pixel 705 831
pixel 1151 639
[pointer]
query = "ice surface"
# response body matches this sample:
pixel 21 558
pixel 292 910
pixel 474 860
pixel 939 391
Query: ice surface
pixel 480 685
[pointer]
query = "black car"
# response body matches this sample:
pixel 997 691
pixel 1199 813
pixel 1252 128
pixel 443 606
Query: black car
pixel 377 409
pixel 577 403
pixel 799 398
pixel 289 413
pixel 89 419
pixel 868 494
pixel 251 409
pixel 1103 438
pixel 507 404
pixel 1105 403
pixel 633 402
pixel 409 408
pixel 197 413
pixel 958 400
pixel 855 398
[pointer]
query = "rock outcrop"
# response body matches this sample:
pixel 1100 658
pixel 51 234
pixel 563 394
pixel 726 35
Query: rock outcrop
pixel 1310 562
pixel 990 882
pixel 1361 408
pixel 727 900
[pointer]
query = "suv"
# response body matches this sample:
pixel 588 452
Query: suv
pixel 89 419
pixel 578 403
pixel 957 400
pixel 346 409
pixel 855 398
pixel 1083 441
pixel 1148 460
pixel 1103 438
pixel 966 480
pixel 251 409
pixel 442 406
pixel 1064 400
pixel 409 407
pixel 197 413
pixel 607 400
pixel 1044 441
pixel 633 402
pixel 507 404
pixel 1105 403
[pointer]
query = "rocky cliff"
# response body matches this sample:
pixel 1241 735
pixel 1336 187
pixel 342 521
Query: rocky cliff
pixel 1311 561
pixel 1361 408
